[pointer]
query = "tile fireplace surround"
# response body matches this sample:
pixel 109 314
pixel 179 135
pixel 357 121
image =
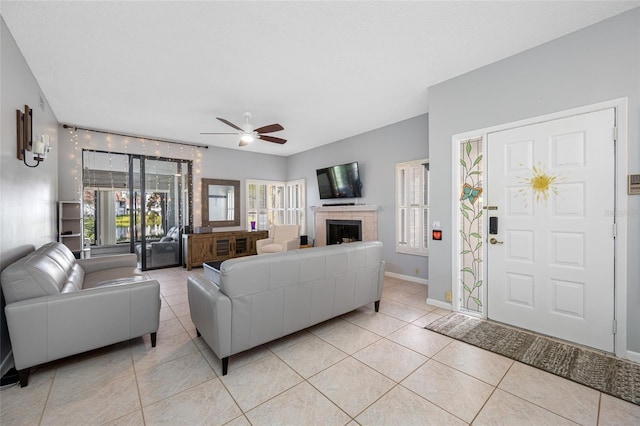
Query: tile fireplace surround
pixel 367 214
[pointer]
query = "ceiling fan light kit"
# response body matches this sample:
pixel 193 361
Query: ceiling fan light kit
pixel 248 134
pixel 247 138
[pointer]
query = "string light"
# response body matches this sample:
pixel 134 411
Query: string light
pixel 75 155
pixel 85 148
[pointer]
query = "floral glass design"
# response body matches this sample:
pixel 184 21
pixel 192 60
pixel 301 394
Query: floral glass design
pixel 471 223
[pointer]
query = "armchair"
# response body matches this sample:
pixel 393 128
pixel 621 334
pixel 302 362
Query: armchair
pixel 281 238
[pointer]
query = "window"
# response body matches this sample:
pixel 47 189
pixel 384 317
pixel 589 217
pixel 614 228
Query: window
pixel 412 207
pixel 270 203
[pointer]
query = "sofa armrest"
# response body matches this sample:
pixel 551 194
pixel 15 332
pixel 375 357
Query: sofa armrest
pixel 210 313
pixel 108 262
pixel 164 245
pixel 293 244
pixel 263 242
pixel 47 328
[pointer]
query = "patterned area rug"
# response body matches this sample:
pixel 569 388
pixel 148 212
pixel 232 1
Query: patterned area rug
pixel 604 373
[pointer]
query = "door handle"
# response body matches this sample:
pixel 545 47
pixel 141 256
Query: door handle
pixel 494 241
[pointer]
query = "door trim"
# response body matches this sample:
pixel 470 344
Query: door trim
pixel 621 200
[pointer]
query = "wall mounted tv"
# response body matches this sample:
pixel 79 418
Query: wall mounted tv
pixel 341 181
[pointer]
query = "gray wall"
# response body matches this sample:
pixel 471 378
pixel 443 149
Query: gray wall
pixel 376 152
pixel 596 64
pixel 27 196
pixel 217 163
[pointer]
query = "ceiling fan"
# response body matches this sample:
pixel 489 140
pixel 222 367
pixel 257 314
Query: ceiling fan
pixel 248 134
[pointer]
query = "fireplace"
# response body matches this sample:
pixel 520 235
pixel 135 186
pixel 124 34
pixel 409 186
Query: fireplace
pixel 343 231
pixel 366 215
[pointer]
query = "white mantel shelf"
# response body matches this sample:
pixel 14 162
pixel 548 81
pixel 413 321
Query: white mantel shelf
pixel 354 208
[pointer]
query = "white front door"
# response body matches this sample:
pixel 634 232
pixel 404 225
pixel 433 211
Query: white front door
pixel 550 255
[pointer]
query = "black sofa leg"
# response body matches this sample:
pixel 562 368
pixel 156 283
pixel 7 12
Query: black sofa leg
pixel 23 376
pixel 225 365
pixel 377 305
pixel 153 339
pixel 198 333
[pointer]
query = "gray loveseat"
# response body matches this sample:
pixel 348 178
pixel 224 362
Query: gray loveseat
pixel 257 299
pixel 58 306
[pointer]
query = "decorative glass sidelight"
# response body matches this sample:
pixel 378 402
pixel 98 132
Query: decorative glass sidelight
pixel 471 226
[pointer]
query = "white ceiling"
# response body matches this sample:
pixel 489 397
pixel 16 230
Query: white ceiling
pixel 324 70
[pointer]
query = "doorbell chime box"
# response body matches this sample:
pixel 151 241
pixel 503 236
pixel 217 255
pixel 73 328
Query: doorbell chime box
pixel 436 231
pixel 633 187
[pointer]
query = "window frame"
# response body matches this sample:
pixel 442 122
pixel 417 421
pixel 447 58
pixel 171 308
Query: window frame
pixel 273 203
pixel 412 207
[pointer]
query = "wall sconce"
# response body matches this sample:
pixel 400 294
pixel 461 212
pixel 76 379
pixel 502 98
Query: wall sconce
pixel 38 148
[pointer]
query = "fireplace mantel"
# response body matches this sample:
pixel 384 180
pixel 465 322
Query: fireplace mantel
pixel 354 208
pixel 366 213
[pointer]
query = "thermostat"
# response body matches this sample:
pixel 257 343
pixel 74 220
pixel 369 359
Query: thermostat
pixel 634 184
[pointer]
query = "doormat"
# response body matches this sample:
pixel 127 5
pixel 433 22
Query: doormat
pixel 605 373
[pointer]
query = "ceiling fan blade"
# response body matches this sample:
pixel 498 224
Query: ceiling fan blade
pixel 228 123
pixel 272 139
pixel 269 129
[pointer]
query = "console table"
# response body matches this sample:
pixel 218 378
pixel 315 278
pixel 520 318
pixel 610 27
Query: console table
pixel 218 246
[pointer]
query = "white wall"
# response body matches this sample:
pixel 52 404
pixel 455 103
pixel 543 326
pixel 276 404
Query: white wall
pixel 596 64
pixel 377 153
pixel 27 196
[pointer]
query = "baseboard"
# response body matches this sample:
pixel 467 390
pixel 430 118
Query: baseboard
pixel 7 363
pixel 406 277
pixel 439 304
pixel 633 356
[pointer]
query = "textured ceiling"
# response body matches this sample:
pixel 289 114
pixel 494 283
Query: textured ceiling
pixel 324 70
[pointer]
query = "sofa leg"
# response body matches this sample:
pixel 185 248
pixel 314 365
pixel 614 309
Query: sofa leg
pixel 198 333
pixel 377 305
pixel 225 365
pixel 153 339
pixel 23 377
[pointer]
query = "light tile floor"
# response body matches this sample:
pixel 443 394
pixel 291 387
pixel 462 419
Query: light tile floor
pixel 362 368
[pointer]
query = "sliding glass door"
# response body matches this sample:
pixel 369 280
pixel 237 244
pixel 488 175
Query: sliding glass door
pixel 137 204
pixel 160 219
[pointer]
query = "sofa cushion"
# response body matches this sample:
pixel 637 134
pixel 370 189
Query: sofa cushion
pixel 42 272
pixel 174 233
pixel 272 248
pixel 237 278
pixel 36 276
pixel 111 276
pixel 60 254
pixel 48 273
pixel 74 280
pixel 17 283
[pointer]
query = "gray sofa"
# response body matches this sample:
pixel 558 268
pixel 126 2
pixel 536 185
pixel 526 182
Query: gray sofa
pixel 58 306
pixel 256 299
pixel 164 252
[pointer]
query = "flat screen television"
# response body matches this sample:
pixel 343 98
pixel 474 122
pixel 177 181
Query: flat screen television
pixel 341 181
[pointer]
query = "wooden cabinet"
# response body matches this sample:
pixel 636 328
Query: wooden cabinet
pixel 70 230
pixel 219 246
